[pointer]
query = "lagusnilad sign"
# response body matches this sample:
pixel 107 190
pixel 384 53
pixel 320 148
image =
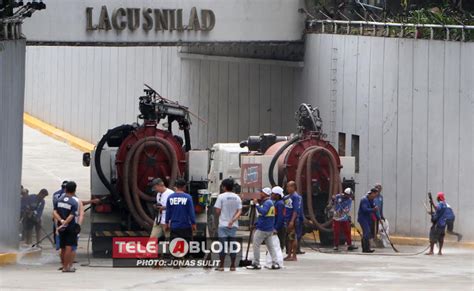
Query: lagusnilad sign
pixel 149 19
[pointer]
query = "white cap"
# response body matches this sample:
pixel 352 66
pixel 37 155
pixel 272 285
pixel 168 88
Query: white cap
pixel 278 190
pixel 267 191
pixel 348 191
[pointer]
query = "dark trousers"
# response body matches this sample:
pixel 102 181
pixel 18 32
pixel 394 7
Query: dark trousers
pixel 345 226
pixel 366 232
pixel 282 237
pixel 184 233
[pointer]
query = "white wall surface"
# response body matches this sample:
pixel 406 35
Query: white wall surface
pixel 412 104
pixel 12 80
pixel 87 90
pixel 236 20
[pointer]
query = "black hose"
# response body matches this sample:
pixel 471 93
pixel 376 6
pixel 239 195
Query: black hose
pixel 187 140
pixel 277 155
pixel 98 153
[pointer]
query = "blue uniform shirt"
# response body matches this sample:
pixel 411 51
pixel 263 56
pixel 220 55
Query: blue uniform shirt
pixel 266 219
pixel 57 195
pixel 180 211
pixel 66 206
pixel 366 208
pixel 293 203
pixel 279 214
pixel 443 213
pixel 34 204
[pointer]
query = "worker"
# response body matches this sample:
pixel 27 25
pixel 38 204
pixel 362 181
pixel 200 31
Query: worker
pixel 378 201
pixel 277 197
pixel 450 217
pixel 365 215
pixel 56 196
pixel 228 208
pixel 264 228
pixel 180 216
pixel 79 218
pixel 32 214
pixel 292 213
pixel 23 219
pixel 162 194
pixel 66 212
pixel 342 219
pixel 440 217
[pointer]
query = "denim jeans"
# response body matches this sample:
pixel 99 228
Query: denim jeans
pixel 226 235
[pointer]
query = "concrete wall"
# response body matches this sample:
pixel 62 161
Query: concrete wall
pixel 12 80
pixel 87 90
pixel 412 104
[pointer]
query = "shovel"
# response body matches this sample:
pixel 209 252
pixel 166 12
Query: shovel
pixel 247 262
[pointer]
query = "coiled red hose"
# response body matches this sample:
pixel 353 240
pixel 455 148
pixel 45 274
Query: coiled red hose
pixel 132 194
pixel 306 159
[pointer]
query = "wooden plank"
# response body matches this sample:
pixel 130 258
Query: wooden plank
pixel 243 101
pixel 404 136
pixel 419 219
pixel 223 102
pixel 233 103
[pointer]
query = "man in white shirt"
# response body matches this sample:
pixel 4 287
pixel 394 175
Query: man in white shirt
pixel 228 207
pixel 162 194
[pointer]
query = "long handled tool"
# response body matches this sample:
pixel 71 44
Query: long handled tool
pixel 247 262
pixel 49 234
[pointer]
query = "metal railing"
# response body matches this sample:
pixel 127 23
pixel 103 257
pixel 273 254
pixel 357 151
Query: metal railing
pixel 362 27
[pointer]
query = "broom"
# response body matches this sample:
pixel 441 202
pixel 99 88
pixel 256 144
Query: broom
pixel 247 262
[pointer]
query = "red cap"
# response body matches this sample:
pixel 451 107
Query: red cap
pixel 440 196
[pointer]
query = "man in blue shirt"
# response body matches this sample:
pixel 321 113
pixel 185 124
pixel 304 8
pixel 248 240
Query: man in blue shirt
pixel 66 212
pixel 443 216
pixel 264 229
pixel 364 216
pixel 180 215
pixel 378 201
pixel 277 197
pixel 56 196
pixel 33 210
pixel 293 213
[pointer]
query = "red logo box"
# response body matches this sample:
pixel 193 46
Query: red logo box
pixel 134 247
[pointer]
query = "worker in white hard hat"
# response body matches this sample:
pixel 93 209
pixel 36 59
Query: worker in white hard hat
pixel 277 197
pixel 342 220
pixel 264 229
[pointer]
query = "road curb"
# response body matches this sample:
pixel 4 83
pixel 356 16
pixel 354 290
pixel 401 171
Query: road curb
pixel 15 257
pixel 8 258
pixel 57 133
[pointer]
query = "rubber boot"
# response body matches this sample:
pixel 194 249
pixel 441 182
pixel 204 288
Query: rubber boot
pixel 366 246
